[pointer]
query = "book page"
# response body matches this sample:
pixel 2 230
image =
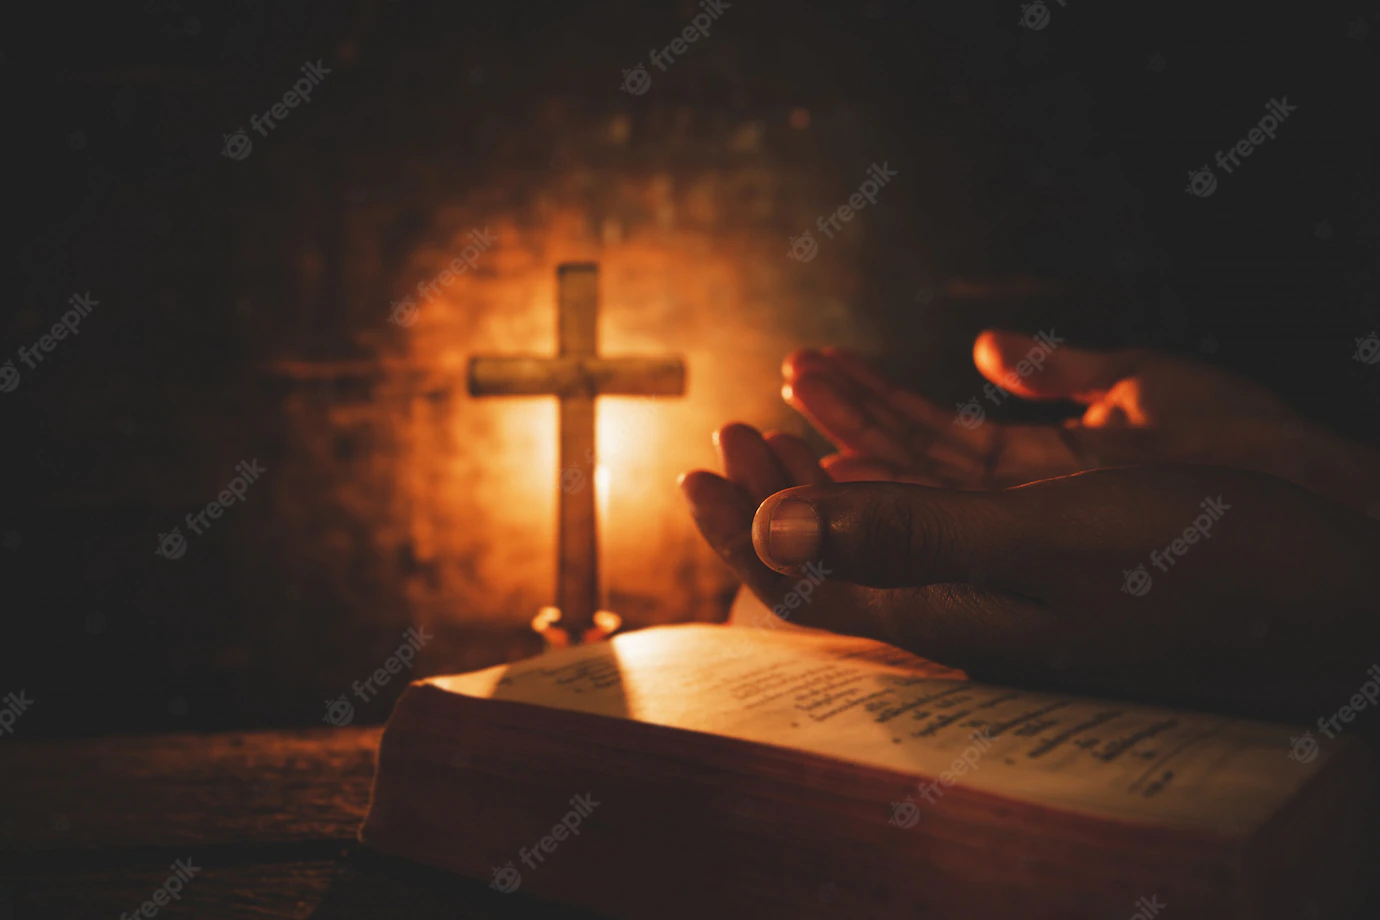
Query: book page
pixel 866 702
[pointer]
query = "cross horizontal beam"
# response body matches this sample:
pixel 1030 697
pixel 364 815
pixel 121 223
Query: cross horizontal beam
pixel 571 376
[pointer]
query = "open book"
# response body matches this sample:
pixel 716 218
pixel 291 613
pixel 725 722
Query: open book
pixel 696 770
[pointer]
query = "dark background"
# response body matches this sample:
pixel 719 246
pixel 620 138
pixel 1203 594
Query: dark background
pixel 1061 153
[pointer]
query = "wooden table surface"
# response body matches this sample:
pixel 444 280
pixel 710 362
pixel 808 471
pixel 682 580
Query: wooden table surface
pixel 90 828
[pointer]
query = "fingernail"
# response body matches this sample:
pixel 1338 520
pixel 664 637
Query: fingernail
pixel 793 536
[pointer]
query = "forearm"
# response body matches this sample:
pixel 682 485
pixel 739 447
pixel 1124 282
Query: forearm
pixel 1342 470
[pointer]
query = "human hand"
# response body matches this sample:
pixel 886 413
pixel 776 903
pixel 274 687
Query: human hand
pixel 1270 609
pixel 1141 407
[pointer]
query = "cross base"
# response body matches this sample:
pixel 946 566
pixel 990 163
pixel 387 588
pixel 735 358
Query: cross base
pixel 547 625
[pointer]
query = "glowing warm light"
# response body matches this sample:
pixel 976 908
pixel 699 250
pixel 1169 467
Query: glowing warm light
pixel 630 433
pixel 545 618
pixel 545 623
pixel 607 622
pixel 478 496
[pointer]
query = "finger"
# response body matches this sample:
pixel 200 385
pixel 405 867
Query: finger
pixel 857 367
pixel 1036 369
pixel 888 535
pixel 1105 414
pixel 843 468
pixel 722 511
pixel 923 421
pixel 1033 452
pixel 796 459
pixel 907 420
pixel 981 630
pixel 801 361
pixel 748 462
pixel 954 467
pixel 822 399
pixel 926 472
pixel 1121 445
pixel 963 625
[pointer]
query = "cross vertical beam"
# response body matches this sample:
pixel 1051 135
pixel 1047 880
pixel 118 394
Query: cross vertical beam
pixel 577 575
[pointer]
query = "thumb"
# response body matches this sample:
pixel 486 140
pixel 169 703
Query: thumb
pixel 888 534
pixel 1044 367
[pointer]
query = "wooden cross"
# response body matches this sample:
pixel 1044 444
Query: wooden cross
pixel 576 376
